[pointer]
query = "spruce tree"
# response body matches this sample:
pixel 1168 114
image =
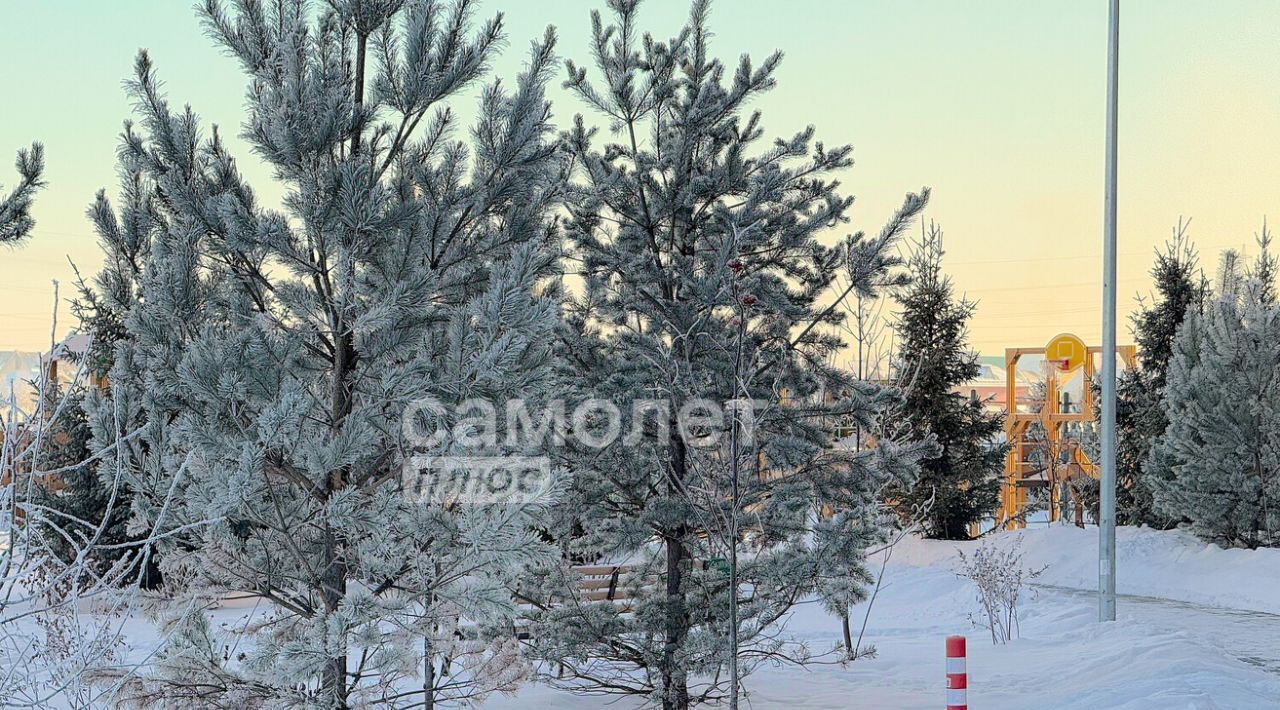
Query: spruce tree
pixel 16 222
pixel 704 280
pixel 1217 464
pixel 269 354
pixel 81 508
pixel 933 362
pixel 1140 416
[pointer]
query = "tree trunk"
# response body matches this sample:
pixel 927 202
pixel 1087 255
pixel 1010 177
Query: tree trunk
pixel 848 636
pixel 428 677
pixel 334 573
pixel 675 681
pixel 334 679
pixel 1077 500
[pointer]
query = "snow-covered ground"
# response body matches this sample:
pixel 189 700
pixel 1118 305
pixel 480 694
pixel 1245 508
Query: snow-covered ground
pixel 1210 649
pixel 1198 628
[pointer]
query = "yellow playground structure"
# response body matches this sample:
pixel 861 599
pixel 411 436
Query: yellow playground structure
pixel 1043 427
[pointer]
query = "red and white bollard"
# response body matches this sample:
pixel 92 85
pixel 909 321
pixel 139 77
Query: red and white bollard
pixel 957 675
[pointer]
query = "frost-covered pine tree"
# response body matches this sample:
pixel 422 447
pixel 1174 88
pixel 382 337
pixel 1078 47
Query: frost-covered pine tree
pixel 16 222
pixel 268 355
pixel 934 359
pixel 1180 289
pixel 704 282
pixel 1217 464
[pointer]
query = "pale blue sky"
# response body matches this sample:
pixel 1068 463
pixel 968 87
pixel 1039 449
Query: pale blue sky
pixel 996 104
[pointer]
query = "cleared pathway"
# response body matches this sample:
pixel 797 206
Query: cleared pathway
pixel 1251 636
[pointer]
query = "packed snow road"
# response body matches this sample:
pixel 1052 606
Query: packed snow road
pixel 1250 636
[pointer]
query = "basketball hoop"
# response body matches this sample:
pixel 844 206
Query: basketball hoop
pixel 1066 352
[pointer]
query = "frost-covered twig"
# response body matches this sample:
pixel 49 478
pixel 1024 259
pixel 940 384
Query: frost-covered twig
pixel 999 575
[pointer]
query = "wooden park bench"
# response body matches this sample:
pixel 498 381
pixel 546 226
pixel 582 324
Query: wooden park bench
pixel 620 583
pixel 602 583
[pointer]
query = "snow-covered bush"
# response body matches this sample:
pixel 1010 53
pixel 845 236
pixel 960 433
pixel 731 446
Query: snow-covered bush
pixel 66 586
pixel 1000 576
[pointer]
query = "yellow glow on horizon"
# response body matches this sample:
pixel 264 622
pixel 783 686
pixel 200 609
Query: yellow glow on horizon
pixel 995 104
